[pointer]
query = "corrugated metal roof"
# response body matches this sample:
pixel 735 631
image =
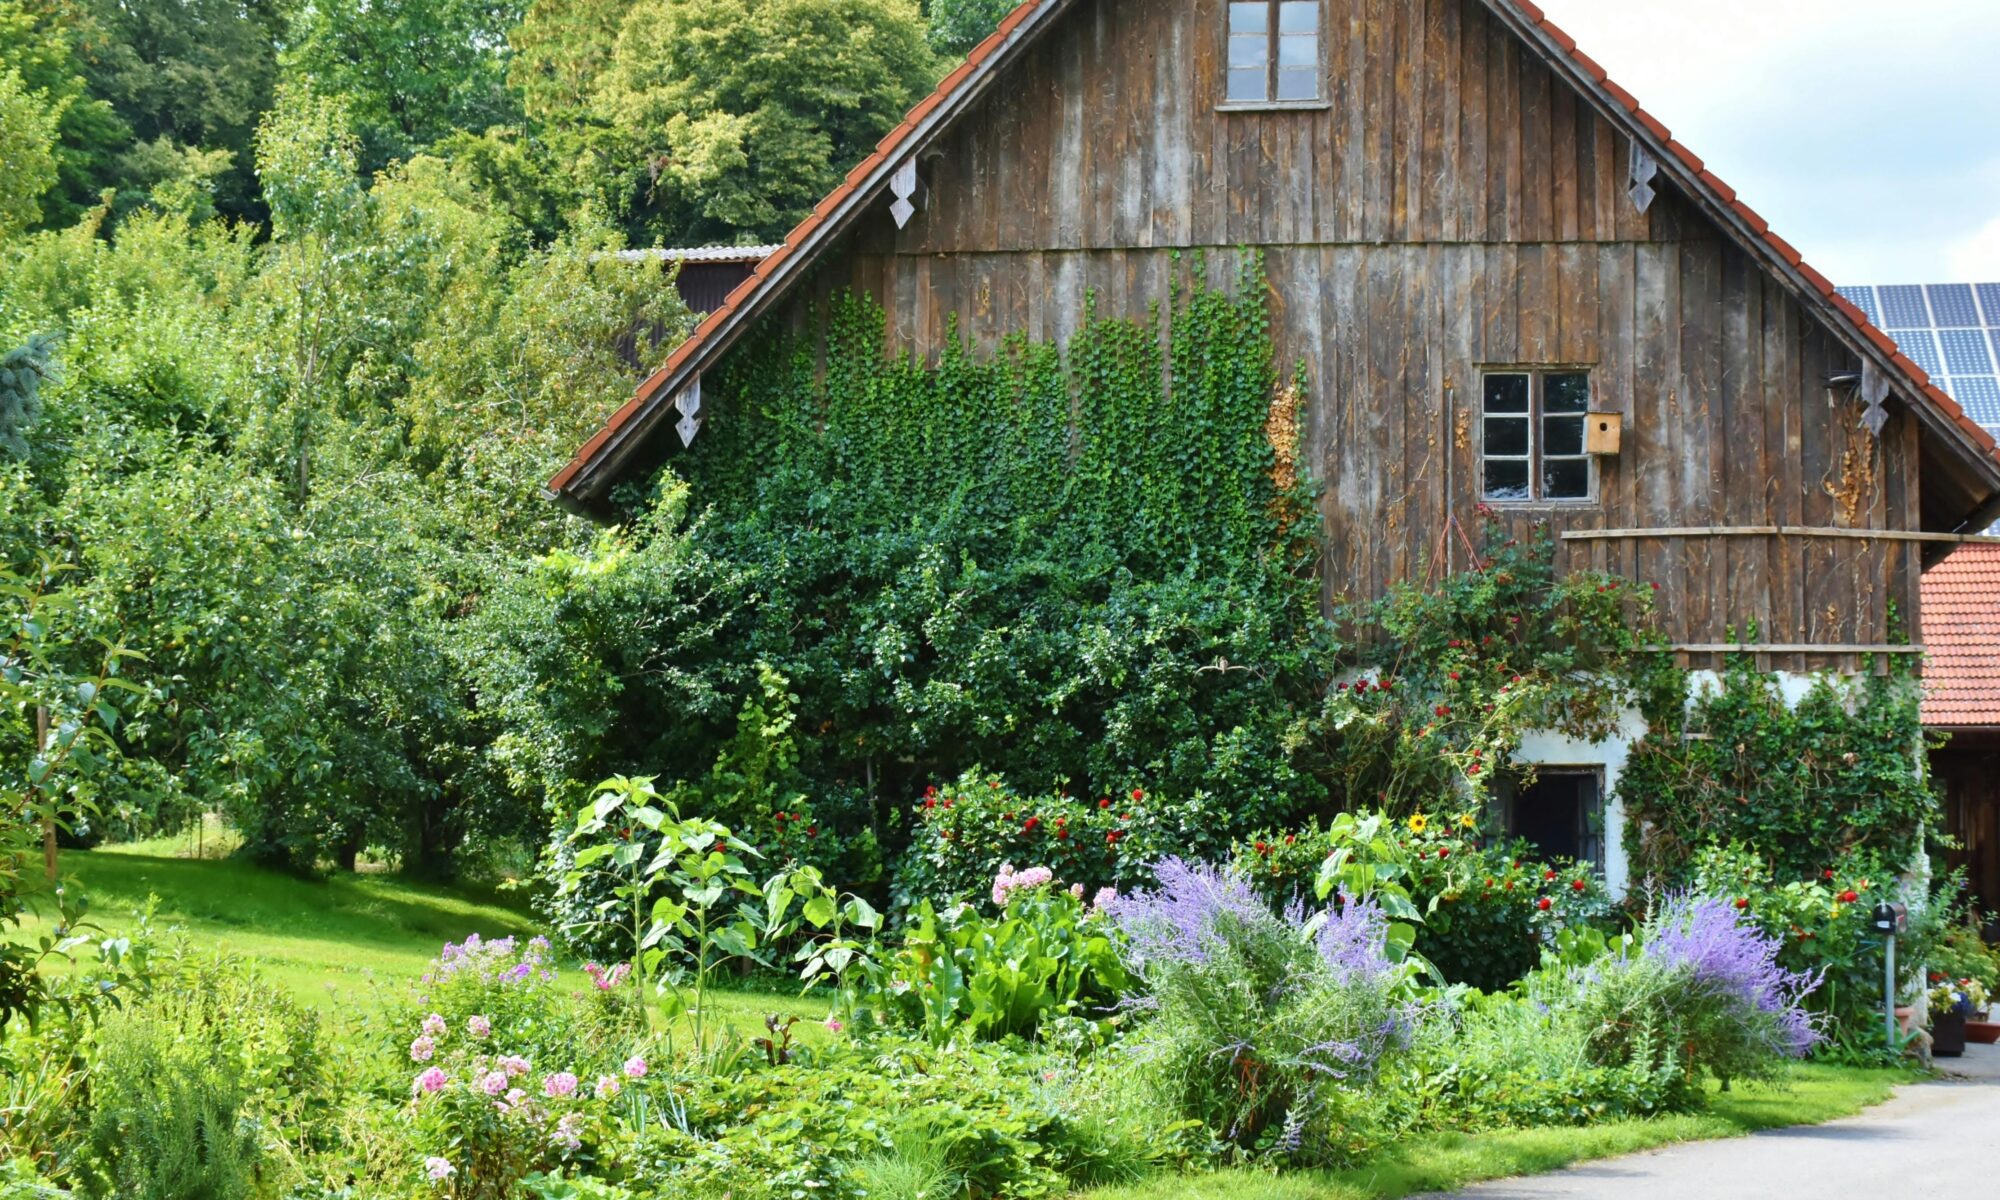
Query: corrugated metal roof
pixel 1962 631
pixel 743 254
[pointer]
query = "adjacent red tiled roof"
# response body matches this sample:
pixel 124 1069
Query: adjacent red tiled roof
pixel 649 402
pixel 1961 618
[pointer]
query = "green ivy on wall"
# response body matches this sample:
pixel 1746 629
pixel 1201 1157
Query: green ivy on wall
pixel 1838 772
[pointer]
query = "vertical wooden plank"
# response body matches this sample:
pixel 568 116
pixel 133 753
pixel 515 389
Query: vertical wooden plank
pixel 1744 469
pixel 1696 488
pixel 1537 312
pixel 1564 166
pixel 1474 219
pixel 1617 335
pixel 1378 124
pixel 1172 142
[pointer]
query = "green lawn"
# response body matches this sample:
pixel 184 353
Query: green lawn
pixel 1441 1162
pixel 341 942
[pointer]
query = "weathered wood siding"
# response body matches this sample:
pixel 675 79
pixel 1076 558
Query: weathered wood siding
pixel 1454 205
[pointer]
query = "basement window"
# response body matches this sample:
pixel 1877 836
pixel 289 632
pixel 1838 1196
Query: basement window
pixel 1274 53
pixel 1561 813
pixel 1531 446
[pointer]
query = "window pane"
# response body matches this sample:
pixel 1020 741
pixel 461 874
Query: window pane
pixel 1250 18
pixel 1296 51
pixel 1246 85
pixel 1506 393
pixel 1249 51
pixel 1302 84
pixel 1507 436
pixel 1506 479
pixel 1298 16
pixel 1566 393
pixel 1566 478
pixel 1562 435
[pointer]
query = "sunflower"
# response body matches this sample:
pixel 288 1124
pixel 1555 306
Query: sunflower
pixel 1419 822
pixel 1467 821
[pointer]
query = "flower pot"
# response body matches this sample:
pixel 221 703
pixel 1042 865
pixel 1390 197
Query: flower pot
pixel 1906 1019
pixel 1986 1033
pixel 1948 1035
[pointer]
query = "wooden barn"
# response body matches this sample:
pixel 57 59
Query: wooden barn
pixel 1508 284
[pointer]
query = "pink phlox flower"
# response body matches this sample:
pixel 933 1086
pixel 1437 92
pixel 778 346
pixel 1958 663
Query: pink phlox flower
pixel 833 1025
pixel 562 1083
pixel 569 1132
pixel 635 1067
pixel 435 1026
pixel 422 1049
pixel 607 1086
pixel 514 1064
pixel 430 1082
pixel 479 1027
pixel 439 1169
pixel 493 1083
pixel 1103 899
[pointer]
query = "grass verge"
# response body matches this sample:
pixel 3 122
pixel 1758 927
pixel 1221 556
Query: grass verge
pixel 1811 1093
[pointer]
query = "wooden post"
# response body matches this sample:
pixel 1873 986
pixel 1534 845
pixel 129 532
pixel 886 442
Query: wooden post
pixel 48 818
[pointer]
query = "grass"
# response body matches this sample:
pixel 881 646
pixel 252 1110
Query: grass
pixel 345 942
pixel 1442 1162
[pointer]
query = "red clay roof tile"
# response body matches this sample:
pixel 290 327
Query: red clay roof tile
pixel 1961 622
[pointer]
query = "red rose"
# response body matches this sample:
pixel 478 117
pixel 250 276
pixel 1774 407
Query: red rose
pixel 1548 875
pixel 782 817
pixel 1112 836
pixel 1137 795
pixel 947 801
pixel 931 790
pixel 1543 904
pixel 1509 885
pixel 1828 873
pixel 1443 853
pixel 1263 848
pixel 930 803
pixel 1031 824
pixel 1289 839
pixel 1061 833
pixel 1454 675
pixel 1386 684
pixel 1444 710
pixel 812 831
pixel 1849 897
pixel 1576 885
pixel 1104 803
pixel 1742 902
pixel 1489 882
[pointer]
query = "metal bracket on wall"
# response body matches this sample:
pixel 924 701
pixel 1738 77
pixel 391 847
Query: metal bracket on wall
pixel 908 191
pixel 1644 169
pixel 1874 394
pixel 688 402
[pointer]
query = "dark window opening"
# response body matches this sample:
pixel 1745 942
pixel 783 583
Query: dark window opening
pixel 1532 445
pixel 1561 813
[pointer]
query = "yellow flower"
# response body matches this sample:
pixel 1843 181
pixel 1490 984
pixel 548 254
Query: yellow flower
pixel 1467 821
pixel 1835 910
pixel 1419 822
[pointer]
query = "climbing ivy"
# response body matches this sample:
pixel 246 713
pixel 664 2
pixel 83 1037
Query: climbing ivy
pixel 1727 761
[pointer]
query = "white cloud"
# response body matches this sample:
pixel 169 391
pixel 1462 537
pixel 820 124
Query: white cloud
pixel 1862 130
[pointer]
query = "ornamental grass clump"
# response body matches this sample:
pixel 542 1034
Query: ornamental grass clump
pixel 1705 994
pixel 1265 1027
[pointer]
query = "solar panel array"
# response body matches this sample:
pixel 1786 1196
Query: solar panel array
pixel 1951 330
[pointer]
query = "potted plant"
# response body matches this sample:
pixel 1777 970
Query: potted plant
pixel 1950 1005
pixel 1977 1027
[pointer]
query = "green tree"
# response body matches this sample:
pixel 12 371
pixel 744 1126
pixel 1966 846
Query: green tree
pixel 411 71
pixel 28 130
pixel 956 26
pixel 39 41
pixel 751 110
pixel 192 74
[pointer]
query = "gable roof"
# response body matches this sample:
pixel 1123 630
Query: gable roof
pixel 601 460
pixel 1961 615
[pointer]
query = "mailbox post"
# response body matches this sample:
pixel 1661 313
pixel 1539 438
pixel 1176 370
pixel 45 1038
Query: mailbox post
pixel 1890 920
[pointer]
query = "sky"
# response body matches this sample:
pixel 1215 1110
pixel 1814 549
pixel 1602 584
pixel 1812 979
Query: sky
pixel 1867 132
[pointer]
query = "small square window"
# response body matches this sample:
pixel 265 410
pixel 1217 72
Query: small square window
pixel 1561 813
pixel 1274 52
pixel 1533 443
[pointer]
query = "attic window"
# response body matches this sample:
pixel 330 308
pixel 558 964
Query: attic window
pixel 1274 53
pixel 1532 444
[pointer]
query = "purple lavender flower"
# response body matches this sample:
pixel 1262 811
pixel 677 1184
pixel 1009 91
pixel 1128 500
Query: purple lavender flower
pixel 1353 940
pixel 1181 921
pixel 1731 956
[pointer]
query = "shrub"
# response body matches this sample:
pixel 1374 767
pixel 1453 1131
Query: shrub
pixel 1265 1028
pixel 191 1086
pixel 1046 954
pixel 1705 993
pixel 1488 911
pixel 966 829
pixel 505 983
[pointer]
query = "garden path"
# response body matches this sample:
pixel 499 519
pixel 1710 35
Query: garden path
pixel 1934 1138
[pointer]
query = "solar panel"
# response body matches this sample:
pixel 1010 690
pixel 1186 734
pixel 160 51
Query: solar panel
pixel 1951 330
pixel 1903 308
pixel 1965 352
pixel 1864 299
pixel 1921 346
pixel 1979 395
pixel 1952 304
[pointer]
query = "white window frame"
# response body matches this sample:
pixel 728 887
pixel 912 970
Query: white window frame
pixel 1272 34
pixel 1536 414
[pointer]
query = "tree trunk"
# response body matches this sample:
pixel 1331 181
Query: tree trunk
pixel 49 817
